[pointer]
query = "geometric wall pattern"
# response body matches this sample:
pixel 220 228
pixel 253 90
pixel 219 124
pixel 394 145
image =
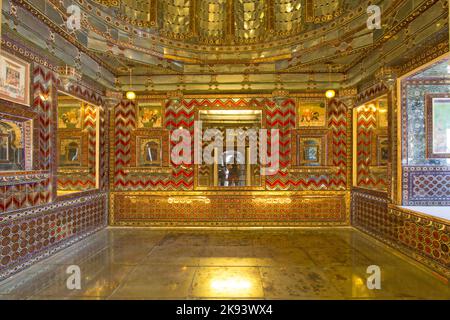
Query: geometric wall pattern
pixel 280 114
pixel 133 198
pixel 235 209
pixel 426 186
pixel 26 189
pixel 72 180
pixel 33 222
pixel 367 149
pixel 30 235
pixel 422 237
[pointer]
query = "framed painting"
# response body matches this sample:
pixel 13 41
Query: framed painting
pixel 69 116
pixel 382 150
pixel 437 110
pixel 12 144
pixel 70 152
pixel 310 151
pixel 14 79
pixel 149 152
pixel 73 148
pixel 312 114
pixel 150 115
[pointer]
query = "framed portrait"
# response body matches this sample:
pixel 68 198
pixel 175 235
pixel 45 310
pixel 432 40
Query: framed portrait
pixel 310 151
pixel 70 152
pixel 149 152
pixel 382 150
pixel 310 147
pixel 73 148
pixel 13 140
pixel 437 109
pixel 149 115
pixel 14 79
pixel 312 114
pixel 69 116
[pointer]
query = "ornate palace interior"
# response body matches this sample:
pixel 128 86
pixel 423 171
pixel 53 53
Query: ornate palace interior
pixel 348 166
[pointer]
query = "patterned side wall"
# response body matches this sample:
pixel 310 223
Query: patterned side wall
pixel 421 237
pixel 33 223
pixel 16 190
pixel 27 236
pixel 426 182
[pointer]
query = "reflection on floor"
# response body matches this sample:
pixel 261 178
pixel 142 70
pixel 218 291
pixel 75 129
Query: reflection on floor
pixel 262 264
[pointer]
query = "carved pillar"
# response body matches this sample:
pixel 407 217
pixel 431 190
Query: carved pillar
pixel 348 97
pixel 389 76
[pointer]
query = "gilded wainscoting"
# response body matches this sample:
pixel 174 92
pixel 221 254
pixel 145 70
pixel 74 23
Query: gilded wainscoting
pixel 34 223
pixel 30 235
pixel 229 209
pixel 422 237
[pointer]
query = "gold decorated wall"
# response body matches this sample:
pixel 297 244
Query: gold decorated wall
pixel 169 194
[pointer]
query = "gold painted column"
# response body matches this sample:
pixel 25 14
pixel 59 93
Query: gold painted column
pixel 216 168
pixel 248 169
pixel 230 21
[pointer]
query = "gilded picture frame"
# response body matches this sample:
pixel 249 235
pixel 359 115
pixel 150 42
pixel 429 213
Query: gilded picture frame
pixel 149 151
pixel 437 125
pixel 150 115
pixel 66 142
pixel 14 79
pixel 310 148
pixel 312 114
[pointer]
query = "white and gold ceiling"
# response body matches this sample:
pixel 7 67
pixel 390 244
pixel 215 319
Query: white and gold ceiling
pixel 230 45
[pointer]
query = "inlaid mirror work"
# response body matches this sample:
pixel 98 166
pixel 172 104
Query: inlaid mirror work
pixel 371 144
pixel 77 144
pixel 232 167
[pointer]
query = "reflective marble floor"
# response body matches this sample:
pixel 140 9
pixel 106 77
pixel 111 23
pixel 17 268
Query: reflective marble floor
pixel 254 264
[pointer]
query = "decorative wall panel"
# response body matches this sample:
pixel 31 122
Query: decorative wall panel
pixel 280 114
pixel 234 209
pixel 424 238
pixel 372 148
pixel 28 236
pixel 75 179
pixel 33 223
pixel 425 181
pixel 426 186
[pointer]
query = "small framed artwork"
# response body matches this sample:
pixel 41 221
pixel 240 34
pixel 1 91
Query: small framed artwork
pixel 382 150
pixel 310 150
pixel 14 79
pixel 437 109
pixel 310 147
pixel 149 152
pixel 70 152
pixel 69 116
pixel 312 114
pixel 150 115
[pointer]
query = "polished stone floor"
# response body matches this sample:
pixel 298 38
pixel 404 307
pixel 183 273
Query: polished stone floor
pixel 125 263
